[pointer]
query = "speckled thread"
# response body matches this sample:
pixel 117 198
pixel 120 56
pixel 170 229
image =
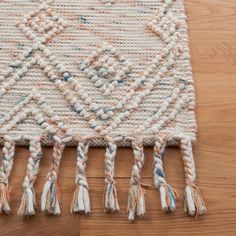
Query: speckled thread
pixel 96 73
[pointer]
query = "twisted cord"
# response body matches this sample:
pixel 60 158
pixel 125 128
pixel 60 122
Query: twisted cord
pixel 28 201
pixel 139 161
pixel 110 161
pixel 136 201
pixel 57 155
pixel 158 171
pixel 81 201
pixel 51 198
pixel 110 202
pixel 5 170
pixel 194 203
pixel 8 157
pixel 168 194
pixel 82 157
pixel 189 165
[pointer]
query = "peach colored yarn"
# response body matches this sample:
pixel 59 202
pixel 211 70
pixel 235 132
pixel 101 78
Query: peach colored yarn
pixel 106 73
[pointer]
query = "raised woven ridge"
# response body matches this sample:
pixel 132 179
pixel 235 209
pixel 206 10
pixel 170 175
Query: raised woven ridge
pixel 96 73
pixel 95 69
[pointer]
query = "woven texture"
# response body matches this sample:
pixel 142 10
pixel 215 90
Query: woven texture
pixel 95 69
pixel 96 73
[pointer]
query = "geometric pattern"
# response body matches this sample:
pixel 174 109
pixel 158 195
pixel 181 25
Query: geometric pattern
pixel 106 94
pixel 96 73
pixel 106 68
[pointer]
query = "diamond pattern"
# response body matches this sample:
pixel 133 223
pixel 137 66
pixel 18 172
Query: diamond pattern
pixel 106 68
pixel 44 23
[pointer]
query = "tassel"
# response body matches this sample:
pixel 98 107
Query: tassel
pixel 194 203
pixel 28 201
pixel 168 197
pixel 81 201
pixel 5 170
pixel 168 194
pixel 136 201
pixel 4 198
pixel 51 198
pixel 110 201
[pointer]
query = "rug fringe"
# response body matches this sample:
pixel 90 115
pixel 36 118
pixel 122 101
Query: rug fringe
pixel 81 201
pixel 28 201
pixel 136 200
pixel 110 201
pixel 4 198
pixel 8 152
pixel 194 203
pixel 168 197
pixel 51 198
pixel 168 194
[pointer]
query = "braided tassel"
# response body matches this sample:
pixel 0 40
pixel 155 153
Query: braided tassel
pixel 110 202
pixel 28 201
pixel 81 202
pixel 5 170
pixel 51 198
pixel 194 204
pixel 136 200
pixel 168 195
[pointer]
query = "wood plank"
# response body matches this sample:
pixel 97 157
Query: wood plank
pixel 215 186
pixel 156 222
pixel 208 15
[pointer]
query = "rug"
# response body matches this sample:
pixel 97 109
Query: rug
pixel 89 73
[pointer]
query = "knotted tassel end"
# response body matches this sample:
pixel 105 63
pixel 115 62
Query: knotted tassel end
pixel 28 203
pixel 51 198
pixel 4 198
pixel 110 201
pixel 81 203
pixel 136 202
pixel 168 197
pixel 194 204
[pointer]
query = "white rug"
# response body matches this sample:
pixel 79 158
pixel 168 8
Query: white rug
pixel 96 73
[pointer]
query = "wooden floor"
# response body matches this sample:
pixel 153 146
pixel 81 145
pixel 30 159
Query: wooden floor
pixel 212 29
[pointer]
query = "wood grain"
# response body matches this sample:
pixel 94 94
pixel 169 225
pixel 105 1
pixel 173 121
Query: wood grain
pixel 212 33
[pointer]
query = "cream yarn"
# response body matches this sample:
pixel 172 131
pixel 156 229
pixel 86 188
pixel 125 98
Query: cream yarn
pixel 87 73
